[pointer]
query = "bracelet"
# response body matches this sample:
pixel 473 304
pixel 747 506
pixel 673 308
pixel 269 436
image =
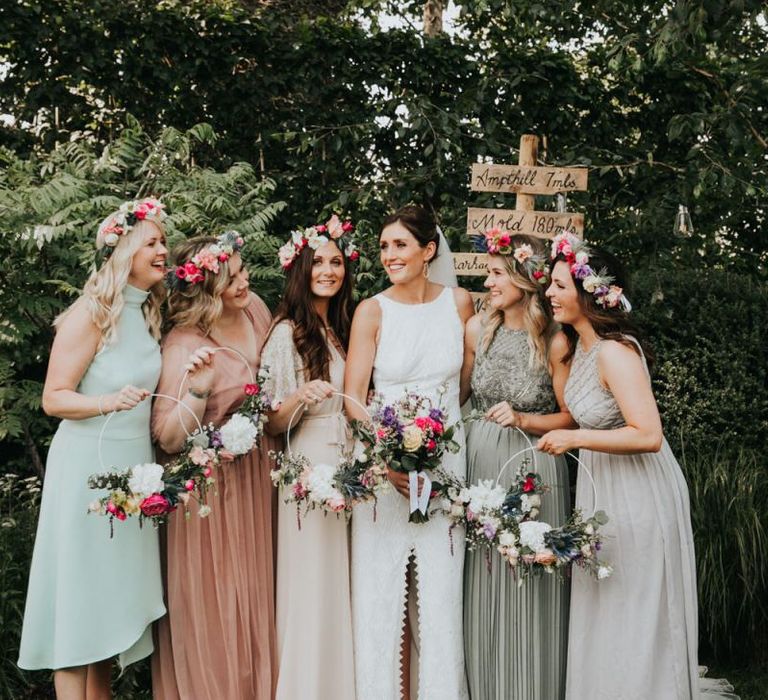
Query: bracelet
pixel 199 394
pixel 98 403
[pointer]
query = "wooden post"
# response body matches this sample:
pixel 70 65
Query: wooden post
pixel 529 151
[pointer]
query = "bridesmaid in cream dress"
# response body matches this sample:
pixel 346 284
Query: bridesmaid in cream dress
pixel 305 354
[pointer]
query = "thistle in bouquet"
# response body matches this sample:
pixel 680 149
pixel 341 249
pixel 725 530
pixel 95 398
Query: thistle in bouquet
pixel 153 491
pixel 532 547
pixel 331 488
pixel 410 436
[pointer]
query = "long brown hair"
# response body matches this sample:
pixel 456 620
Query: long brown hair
pixel 296 306
pixel 535 317
pixel 609 323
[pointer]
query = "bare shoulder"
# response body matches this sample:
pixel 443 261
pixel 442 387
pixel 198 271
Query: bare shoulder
pixel 464 303
pixel 78 323
pixel 368 311
pixel 475 326
pixel 558 346
pixel 613 355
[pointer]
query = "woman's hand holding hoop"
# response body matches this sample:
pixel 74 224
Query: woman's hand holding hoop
pixel 314 392
pixel 200 370
pixel 503 414
pixel 124 400
pixel 557 442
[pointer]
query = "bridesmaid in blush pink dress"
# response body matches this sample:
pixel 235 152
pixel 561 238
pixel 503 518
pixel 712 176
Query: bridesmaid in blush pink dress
pixel 217 641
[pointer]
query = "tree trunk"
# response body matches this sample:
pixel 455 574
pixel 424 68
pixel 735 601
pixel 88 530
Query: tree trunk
pixel 433 17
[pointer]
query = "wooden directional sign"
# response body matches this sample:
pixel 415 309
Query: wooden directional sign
pixel 470 264
pixel 527 179
pixel 479 299
pixel 545 224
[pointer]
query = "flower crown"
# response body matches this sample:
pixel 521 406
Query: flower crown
pixel 315 237
pixel 498 242
pixel 576 254
pixel 209 258
pixel 128 215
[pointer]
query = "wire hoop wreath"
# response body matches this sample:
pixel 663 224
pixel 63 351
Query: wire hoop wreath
pixel 288 449
pixel 161 396
pixel 578 461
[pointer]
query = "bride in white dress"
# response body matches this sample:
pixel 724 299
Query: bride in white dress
pixel 408 337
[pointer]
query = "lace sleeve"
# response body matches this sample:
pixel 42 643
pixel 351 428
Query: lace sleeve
pixel 282 359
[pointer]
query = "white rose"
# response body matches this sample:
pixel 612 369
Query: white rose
pixel 586 551
pixel 589 529
pixel 412 438
pixel 457 510
pixel 532 534
pixel 507 539
pixel 146 479
pixel 111 239
pixel 590 284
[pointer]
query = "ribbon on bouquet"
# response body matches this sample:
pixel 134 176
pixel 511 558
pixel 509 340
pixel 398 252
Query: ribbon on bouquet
pixel 419 502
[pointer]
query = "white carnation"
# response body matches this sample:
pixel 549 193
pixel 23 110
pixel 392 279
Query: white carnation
pixel 146 479
pixel 239 434
pixel 532 534
pixel 320 483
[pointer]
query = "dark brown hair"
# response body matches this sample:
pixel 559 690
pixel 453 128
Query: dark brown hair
pixel 418 222
pixel 297 307
pixel 609 323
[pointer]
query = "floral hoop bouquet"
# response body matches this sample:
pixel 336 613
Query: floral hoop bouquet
pixel 152 490
pixel 409 436
pixel 331 488
pixel 506 519
pixel 487 507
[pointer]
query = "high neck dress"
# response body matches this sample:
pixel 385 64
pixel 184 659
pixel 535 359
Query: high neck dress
pixel 92 597
pixel 514 636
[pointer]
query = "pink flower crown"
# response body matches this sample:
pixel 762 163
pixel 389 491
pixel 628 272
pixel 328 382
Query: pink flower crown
pixel 128 215
pixel 317 236
pixel 577 254
pixel 498 242
pixel 207 259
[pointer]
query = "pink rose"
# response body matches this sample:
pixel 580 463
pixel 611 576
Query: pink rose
pixel 334 227
pixel 546 557
pixel 251 389
pixel 111 508
pixel 354 255
pixel 140 212
pixel 189 485
pixel 155 505
pixel 199 456
pixel 336 504
pixel 431 445
pixel 207 472
pixel 120 514
pixel 181 273
pixel 321 228
pixel 347 226
pixel 223 257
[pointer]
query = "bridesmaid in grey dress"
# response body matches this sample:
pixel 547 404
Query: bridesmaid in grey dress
pixel 633 636
pixel 515 636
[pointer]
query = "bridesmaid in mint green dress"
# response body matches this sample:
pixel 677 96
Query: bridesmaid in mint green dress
pixel 515 636
pixel 92 598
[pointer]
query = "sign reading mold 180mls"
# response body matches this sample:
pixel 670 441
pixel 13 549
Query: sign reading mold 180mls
pixel 545 224
pixel 527 179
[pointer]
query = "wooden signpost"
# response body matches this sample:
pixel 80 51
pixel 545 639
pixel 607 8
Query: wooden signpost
pixel 525 180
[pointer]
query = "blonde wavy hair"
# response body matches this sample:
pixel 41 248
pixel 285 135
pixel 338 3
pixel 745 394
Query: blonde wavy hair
pixel 103 291
pixel 197 305
pixel 537 321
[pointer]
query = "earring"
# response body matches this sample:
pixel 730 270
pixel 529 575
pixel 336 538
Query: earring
pixel 426 270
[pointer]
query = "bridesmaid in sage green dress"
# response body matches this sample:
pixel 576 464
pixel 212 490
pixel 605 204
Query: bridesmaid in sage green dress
pixel 515 636
pixel 92 597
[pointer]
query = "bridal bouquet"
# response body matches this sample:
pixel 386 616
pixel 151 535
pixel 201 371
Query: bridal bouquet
pixel 410 436
pixel 152 491
pixel 331 488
